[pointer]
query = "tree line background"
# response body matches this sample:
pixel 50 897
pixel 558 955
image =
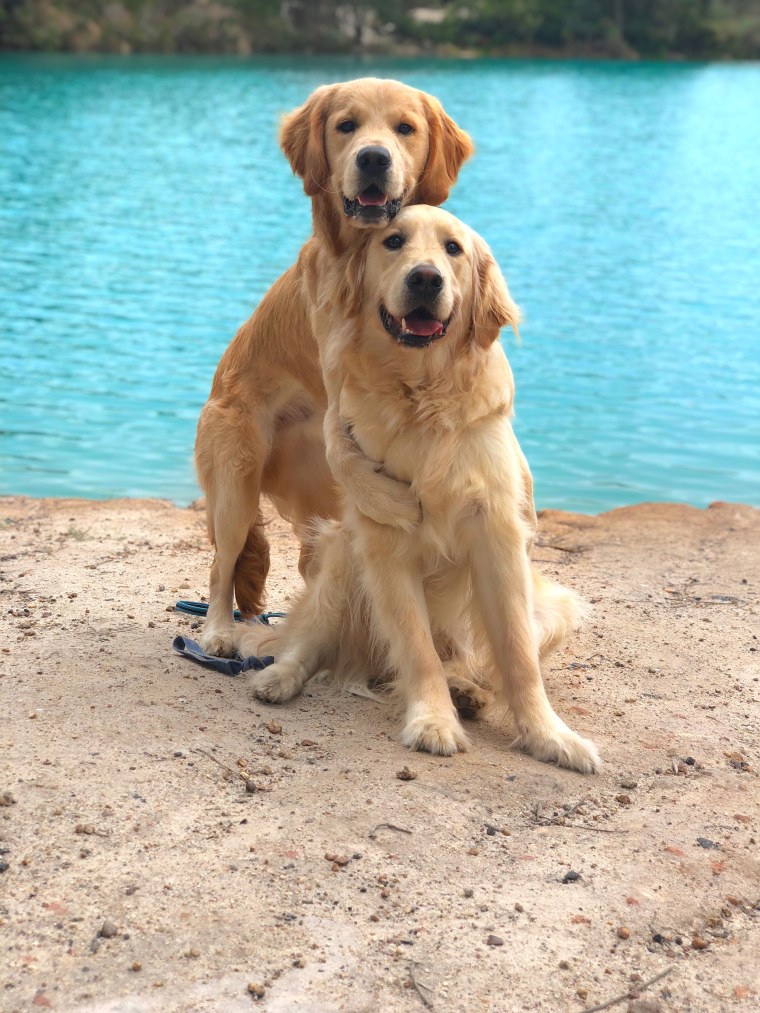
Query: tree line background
pixel 615 28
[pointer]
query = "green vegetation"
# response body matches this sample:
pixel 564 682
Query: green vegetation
pixel 617 28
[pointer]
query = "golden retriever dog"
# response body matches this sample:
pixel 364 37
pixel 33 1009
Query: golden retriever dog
pixel 425 392
pixel 364 149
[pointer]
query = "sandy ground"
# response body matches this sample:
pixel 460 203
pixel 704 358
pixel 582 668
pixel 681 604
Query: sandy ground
pixel 119 807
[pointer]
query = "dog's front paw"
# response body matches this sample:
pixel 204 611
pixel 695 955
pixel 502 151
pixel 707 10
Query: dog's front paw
pixel 221 642
pixel 278 682
pixel 437 732
pixel 556 743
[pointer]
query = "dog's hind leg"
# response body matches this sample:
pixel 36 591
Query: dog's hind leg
pixel 308 640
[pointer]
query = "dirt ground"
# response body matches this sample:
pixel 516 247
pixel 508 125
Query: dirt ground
pixel 139 874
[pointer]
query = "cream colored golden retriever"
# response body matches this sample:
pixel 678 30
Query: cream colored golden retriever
pixel 425 391
pixel 363 149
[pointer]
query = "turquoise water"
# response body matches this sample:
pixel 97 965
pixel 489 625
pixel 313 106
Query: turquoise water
pixel 145 207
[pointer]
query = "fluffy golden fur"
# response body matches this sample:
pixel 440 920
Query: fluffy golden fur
pixel 261 428
pixel 423 396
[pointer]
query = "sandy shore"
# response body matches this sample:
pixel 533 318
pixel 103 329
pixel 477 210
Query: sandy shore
pixel 126 805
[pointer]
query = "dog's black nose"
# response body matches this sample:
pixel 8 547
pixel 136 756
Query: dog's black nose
pixel 374 160
pixel 424 280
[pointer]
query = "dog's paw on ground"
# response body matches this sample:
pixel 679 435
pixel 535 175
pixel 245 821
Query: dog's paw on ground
pixel 278 682
pixel 440 734
pixel 221 642
pixel 562 746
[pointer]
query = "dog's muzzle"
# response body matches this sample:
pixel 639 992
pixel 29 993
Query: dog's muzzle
pixel 417 329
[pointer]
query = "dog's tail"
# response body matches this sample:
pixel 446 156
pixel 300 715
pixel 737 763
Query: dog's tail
pixel 251 571
pixel 557 611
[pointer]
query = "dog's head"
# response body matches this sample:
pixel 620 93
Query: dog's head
pixel 428 279
pixel 366 148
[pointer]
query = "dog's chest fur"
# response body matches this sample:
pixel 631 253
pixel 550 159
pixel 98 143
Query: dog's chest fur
pixel 449 441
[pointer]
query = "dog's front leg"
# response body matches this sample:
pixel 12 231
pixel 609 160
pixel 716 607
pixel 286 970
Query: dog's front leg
pixel 392 579
pixel 502 599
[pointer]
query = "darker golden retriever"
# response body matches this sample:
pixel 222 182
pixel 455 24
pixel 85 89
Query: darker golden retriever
pixel 364 149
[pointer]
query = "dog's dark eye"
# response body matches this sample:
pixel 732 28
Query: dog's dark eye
pixel 394 242
pixel 405 128
pixel 347 127
pixel 452 248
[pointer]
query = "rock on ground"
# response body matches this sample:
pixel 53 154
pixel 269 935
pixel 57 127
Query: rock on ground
pixel 124 803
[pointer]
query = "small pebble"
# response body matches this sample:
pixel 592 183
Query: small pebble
pixel 564 965
pixel 468 891
pixel 4 866
pixel 495 941
pixel 136 965
pixel 623 799
pixel 276 729
pixel 628 782
pixel 519 907
pixel 406 774
pixel 193 953
pixel 571 877
pixel 108 930
pixel 250 786
pixel 623 932
pixel 698 943
pixel 705 842
pixel 7 798
pixel 255 990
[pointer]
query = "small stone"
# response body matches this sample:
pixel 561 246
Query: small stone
pixel 628 782
pixel 564 965
pixel 705 842
pixel 519 908
pixel 136 965
pixel 250 786
pixel 571 877
pixel 7 798
pixel 299 962
pixel 406 774
pixel 582 993
pixel 623 799
pixel 698 943
pixel 193 953
pixel 308 742
pixel 85 828
pixel 385 893
pixel 275 728
pixel 473 851
pixel 468 891
pixel 255 990
pixel 108 930
pixel 4 866
pixel 623 932
pixel 495 941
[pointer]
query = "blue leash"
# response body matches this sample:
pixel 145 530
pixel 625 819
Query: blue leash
pixel 200 608
pixel 227 666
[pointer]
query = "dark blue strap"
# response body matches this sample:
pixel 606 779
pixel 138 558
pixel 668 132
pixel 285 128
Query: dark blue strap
pixel 200 608
pixel 227 666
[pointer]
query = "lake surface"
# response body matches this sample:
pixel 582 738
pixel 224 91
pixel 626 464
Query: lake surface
pixel 145 207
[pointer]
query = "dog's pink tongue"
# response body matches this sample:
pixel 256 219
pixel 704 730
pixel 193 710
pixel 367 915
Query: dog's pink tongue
pixel 371 199
pixel 424 328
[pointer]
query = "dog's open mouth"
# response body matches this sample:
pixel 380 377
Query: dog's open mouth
pixel 418 329
pixel 372 203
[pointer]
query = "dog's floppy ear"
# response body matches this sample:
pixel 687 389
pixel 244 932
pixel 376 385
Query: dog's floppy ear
pixel 449 148
pixel 492 305
pixel 302 138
